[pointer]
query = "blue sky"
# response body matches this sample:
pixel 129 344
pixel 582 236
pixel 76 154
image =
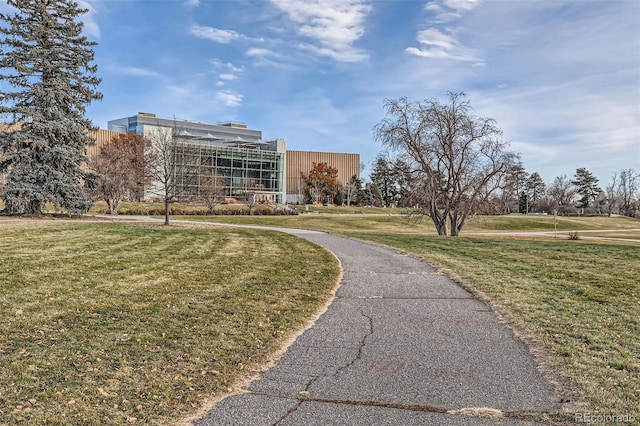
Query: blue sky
pixel 562 78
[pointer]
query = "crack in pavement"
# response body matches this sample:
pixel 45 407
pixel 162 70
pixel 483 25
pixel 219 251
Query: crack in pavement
pixel 303 395
pixel 362 344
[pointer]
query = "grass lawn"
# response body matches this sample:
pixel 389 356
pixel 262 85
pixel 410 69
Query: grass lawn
pixel 327 222
pixel 104 323
pixel 579 300
pixel 398 224
pixel 534 223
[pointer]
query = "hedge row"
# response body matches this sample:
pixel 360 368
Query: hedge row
pixel 146 210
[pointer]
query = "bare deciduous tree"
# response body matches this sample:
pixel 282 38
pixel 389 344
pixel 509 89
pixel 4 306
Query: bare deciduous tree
pixel 122 169
pixel 353 191
pixel 627 187
pixel 252 194
pixel 458 156
pixel 161 158
pixel 611 194
pixel 562 193
pixel 212 190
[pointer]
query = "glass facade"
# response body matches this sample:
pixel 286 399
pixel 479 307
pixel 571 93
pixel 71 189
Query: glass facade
pixel 216 160
pixel 230 171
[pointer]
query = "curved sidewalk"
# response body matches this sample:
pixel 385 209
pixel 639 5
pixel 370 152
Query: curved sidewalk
pixel 400 344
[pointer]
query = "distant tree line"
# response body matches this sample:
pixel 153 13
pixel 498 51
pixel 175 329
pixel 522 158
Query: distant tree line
pixel 393 184
pixel 443 160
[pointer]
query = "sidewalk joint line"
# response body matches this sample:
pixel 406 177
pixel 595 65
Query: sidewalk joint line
pixel 404 298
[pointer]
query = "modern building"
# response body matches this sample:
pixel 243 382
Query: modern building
pixel 229 155
pixel 235 156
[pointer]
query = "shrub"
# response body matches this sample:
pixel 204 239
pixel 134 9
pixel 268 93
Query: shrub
pixel 157 209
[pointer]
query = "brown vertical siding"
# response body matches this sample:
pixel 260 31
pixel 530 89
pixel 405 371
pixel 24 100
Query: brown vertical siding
pixel 302 161
pixel 102 137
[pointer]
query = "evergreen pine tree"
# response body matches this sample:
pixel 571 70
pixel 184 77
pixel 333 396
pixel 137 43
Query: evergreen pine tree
pixel 523 203
pixel 587 186
pixel 382 177
pixel 47 63
pixel 535 189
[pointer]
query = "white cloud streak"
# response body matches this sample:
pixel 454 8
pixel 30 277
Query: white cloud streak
pixel 91 26
pixel 228 67
pixel 215 34
pixel 441 43
pixel 333 26
pixel 228 77
pixel 133 71
pixel 462 4
pixel 438 45
pixel 260 52
pixel 229 98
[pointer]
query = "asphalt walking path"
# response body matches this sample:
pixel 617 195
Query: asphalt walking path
pixel 400 344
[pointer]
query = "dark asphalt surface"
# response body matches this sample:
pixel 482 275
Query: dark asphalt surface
pixel 401 344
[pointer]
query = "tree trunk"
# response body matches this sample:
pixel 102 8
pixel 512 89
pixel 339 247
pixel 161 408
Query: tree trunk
pixel 454 226
pixel 113 206
pixel 34 208
pixel 441 226
pixel 166 211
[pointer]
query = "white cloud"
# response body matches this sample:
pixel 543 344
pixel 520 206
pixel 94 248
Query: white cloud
pixel 259 52
pixel 91 26
pixel 229 98
pixel 214 34
pixel 340 56
pixel 438 45
pixel 533 151
pixel 569 124
pixel 436 39
pixel 228 77
pixel 442 43
pixel 133 71
pixel 335 25
pixel 440 14
pixel 462 4
pixel 225 67
pixel 192 4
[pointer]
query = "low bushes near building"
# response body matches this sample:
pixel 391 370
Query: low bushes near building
pixel 157 209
